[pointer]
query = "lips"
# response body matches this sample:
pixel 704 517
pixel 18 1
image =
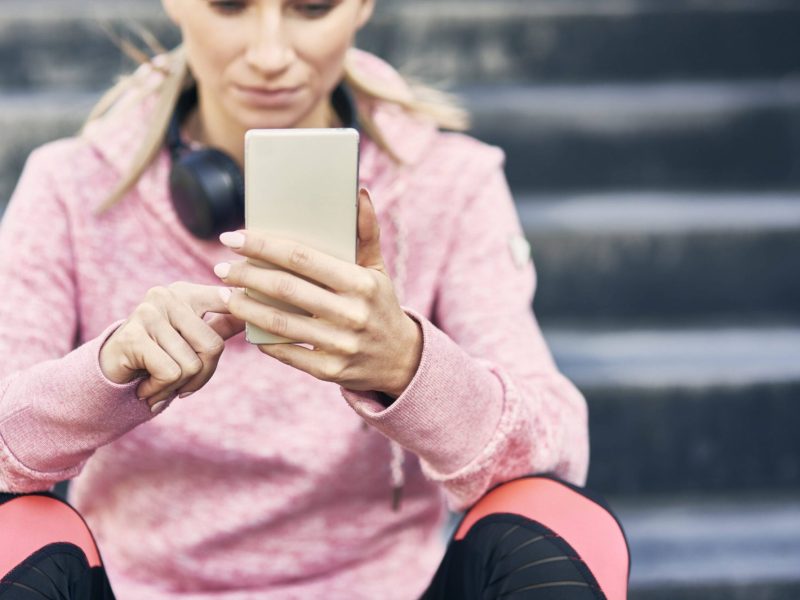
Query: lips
pixel 274 98
pixel 275 90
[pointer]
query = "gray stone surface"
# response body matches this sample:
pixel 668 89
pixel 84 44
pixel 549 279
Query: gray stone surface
pixel 677 410
pixel 649 256
pixel 714 547
pixel 447 41
pixel 660 357
pixel 674 135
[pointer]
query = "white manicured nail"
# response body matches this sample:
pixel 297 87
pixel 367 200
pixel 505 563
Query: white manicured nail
pixel 222 269
pixel 232 239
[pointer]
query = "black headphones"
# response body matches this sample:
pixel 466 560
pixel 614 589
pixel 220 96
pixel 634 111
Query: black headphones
pixel 207 186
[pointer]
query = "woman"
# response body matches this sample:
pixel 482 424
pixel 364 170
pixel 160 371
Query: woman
pixel 273 479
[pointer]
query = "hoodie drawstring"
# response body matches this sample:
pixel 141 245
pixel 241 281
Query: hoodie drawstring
pixel 399 281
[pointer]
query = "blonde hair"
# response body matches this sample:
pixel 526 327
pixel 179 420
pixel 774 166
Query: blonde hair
pixel 439 107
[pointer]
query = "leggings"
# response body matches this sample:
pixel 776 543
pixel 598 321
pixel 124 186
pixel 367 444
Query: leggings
pixel 532 538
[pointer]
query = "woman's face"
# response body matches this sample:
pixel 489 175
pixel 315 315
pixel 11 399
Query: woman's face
pixel 267 63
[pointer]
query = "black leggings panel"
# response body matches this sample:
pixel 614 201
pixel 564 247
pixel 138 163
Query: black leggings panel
pixel 505 556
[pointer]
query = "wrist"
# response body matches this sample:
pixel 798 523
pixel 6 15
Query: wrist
pixel 410 356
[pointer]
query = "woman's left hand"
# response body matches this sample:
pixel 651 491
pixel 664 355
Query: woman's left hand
pixel 361 337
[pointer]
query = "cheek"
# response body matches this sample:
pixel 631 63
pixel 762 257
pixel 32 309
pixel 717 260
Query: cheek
pixel 325 49
pixel 209 60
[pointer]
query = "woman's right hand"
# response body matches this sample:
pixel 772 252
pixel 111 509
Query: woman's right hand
pixel 167 338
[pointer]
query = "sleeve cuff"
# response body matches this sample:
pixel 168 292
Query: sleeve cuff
pixel 449 411
pixel 77 410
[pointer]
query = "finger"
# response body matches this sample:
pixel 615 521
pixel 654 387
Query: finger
pixel 312 264
pixel 281 323
pixel 183 355
pixel 202 298
pixel 317 364
pixel 226 326
pixel 369 234
pixel 204 342
pixel 286 287
pixel 162 369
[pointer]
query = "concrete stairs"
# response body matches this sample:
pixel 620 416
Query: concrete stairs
pixel 654 151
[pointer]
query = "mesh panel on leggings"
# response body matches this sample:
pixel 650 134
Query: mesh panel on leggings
pixel 58 571
pixel 509 557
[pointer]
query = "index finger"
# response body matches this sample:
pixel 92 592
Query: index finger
pixel 312 264
pixel 201 298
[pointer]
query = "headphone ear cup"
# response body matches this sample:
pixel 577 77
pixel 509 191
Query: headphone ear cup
pixel 207 189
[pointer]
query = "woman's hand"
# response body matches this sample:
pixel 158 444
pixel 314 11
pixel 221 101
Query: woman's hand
pixel 361 337
pixel 166 337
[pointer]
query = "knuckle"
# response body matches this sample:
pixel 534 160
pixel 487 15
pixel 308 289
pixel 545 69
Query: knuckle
pixel 148 313
pixel 213 346
pixel 299 256
pixel 346 346
pixel 158 294
pixel 279 323
pixel 367 286
pixel 285 286
pixel 359 319
pixel 171 374
pixel 332 370
pixel 193 368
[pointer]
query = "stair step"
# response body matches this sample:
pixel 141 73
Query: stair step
pixel 665 135
pixel 48 42
pixel 588 40
pixel 695 409
pixel 28 120
pixel 648 255
pixel 656 358
pixel 713 547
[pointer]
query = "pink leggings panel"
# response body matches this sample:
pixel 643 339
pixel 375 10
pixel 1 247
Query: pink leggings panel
pixel 29 523
pixel 584 524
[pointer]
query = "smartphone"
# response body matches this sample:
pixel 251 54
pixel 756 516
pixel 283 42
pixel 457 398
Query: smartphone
pixel 302 185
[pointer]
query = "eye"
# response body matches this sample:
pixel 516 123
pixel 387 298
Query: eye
pixel 314 10
pixel 228 6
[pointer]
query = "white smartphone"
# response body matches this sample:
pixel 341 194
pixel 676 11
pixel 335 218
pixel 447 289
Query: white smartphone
pixel 302 185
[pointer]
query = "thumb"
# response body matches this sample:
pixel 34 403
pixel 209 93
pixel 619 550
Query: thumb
pixel 226 326
pixel 369 234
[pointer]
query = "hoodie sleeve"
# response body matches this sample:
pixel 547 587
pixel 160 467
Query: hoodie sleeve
pixel 56 406
pixel 487 403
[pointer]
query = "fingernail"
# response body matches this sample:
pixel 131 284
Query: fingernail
pixel 222 269
pixel 367 192
pixel 225 294
pixel 159 406
pixel 232 239
pixel 185 394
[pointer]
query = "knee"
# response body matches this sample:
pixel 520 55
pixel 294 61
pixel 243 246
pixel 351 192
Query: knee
pixel 582 519
pixel 31 522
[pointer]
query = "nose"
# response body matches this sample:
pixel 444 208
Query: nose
pixel 269 51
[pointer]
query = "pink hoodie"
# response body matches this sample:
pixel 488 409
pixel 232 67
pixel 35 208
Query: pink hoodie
pixel 268 483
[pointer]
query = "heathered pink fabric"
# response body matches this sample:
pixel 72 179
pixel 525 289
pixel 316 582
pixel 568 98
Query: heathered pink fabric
pixel 266 483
